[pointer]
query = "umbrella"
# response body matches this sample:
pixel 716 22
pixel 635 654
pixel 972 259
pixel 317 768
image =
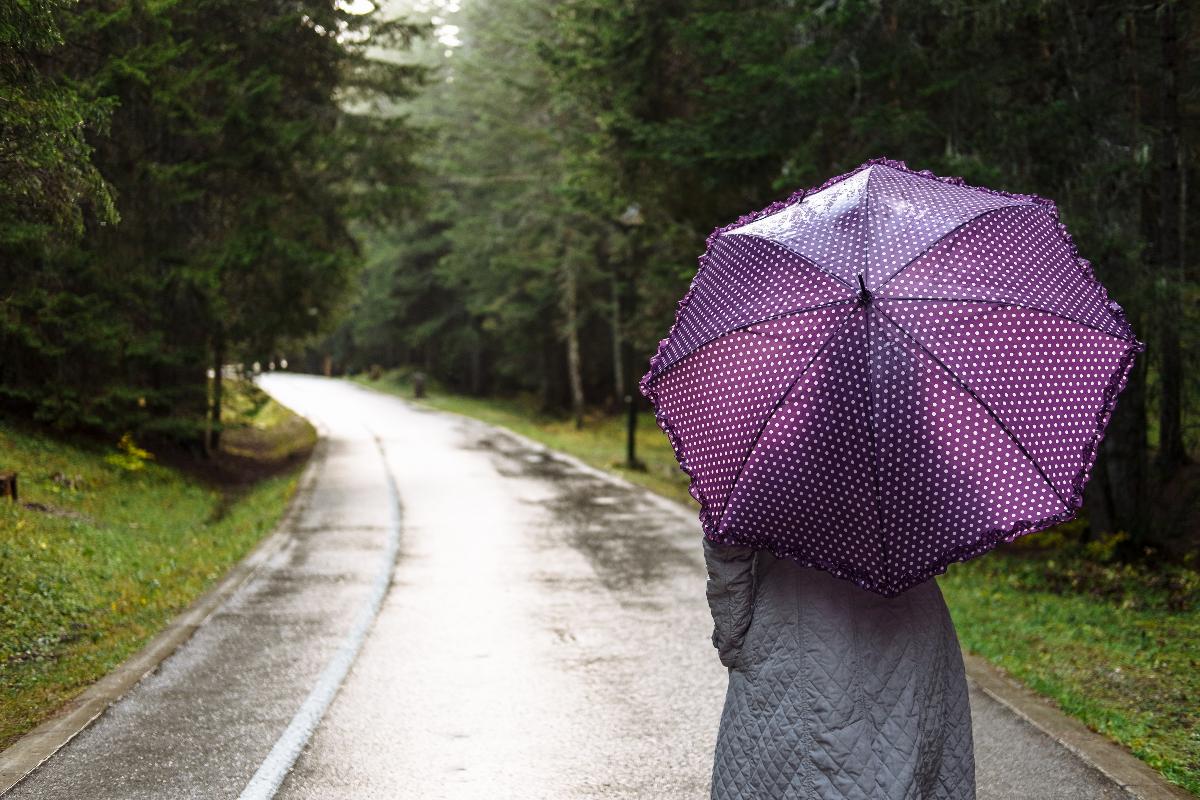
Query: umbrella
pixel 890 373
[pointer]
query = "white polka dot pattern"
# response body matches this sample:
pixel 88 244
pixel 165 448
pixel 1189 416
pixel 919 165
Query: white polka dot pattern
pixel 1036 269
pixel 907 213
pixel 827 227
pixel 722 393
pixel 807 488
pixel 949 470
pixel 880 217
pixel 889 374
pixel 746 280
pixel 1042 376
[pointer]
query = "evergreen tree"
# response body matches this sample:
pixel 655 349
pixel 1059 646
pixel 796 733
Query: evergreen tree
pixel 242 138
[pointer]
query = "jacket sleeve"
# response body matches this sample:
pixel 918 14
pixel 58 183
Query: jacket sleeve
pixel 730 594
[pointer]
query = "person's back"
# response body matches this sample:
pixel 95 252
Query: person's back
pixel 835 692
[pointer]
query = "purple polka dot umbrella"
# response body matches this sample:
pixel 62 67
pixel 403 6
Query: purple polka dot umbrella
pixel 890 373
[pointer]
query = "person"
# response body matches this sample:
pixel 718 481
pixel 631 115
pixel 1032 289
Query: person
pixel 835 692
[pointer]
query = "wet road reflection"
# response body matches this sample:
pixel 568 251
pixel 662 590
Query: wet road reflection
pixel 545 637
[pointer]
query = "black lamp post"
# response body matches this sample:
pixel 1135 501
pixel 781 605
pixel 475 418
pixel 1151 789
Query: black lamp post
pixel 630 218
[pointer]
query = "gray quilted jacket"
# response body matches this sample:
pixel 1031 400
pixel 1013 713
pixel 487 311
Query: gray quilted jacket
pixel 835 693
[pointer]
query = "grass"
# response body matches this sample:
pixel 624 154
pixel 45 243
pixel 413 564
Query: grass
pixel 1116 646
pixel 108 545
pixel 601 441
pixel 1119 653
pixel 259 429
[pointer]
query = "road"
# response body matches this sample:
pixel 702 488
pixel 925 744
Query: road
pixel 542 633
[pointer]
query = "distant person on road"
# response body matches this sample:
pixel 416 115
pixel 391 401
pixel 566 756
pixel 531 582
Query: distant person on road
pixel 835 692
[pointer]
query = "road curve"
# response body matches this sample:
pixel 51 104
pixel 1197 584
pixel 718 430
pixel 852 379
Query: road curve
pixel 544 636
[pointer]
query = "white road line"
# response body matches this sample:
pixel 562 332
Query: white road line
pixel 283 755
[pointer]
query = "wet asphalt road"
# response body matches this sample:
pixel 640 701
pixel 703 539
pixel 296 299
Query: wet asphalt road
pixel 544 636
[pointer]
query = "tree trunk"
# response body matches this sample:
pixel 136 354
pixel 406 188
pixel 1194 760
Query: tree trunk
pixel 476 362
pixel 1171 452
pixel 1125 469
pixel 574 365
pixel 217 392
pixel 1123 457
pixel 547 375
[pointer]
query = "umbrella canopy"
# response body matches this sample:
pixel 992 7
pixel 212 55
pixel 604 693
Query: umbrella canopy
pixel 890 373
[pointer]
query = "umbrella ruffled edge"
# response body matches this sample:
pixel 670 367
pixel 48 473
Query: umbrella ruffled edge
pixel 992 538
pixel 708 520
pixel 1112 390
pixel 996 536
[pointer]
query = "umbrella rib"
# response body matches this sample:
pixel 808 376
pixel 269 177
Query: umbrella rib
pixel 866 273
pixel 1012 304
pixel 778 403
pixel 942 238
pixel 866 279
pixel 744 327
pixel 874 442
pixel 794 251
pixel 963 385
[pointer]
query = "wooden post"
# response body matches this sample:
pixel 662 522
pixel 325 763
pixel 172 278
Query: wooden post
pixel 631 459
pixel 218 392
pixel 8 485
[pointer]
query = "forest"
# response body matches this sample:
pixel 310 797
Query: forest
pixel 510 196
pixel 178 182
pixel 582 151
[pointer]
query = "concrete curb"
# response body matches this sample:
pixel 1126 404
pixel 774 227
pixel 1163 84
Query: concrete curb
pixel 1112 760
pixel 34 748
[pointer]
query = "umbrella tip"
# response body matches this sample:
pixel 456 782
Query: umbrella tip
pixel 864 296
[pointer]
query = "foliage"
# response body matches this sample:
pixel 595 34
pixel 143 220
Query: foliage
pixel 129 456
pixel 47 180
pixel 261 430
pixel 1065 560
pixel 1115 652
pixel 555 117
pixel 239 140
pixel 96 559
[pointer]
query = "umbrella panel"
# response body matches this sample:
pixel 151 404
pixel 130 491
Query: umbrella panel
pixel 958 404
pixel 1014 255
pixel 745 280
pixel 718 397
pixel 1043 377
pixel 876 468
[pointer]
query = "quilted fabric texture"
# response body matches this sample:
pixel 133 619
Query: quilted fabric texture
pixel 888 374
pixel 835 692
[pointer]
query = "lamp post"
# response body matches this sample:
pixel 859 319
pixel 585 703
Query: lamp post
pixel 630 218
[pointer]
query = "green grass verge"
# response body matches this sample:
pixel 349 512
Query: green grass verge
pixel 601 442
pixel 259 429
pixel 1117 647
pixel 1125 664
pixel 112 548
